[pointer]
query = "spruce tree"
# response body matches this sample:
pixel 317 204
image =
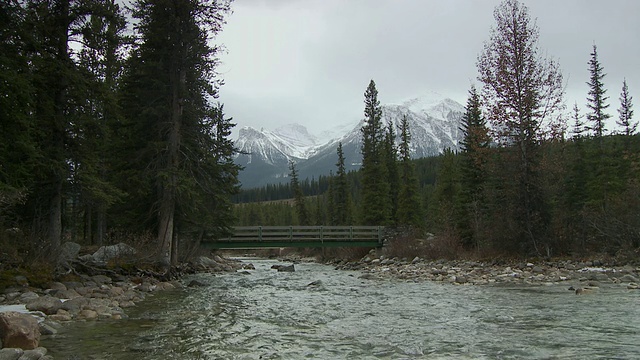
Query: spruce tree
pixel 95 151
pixel 298 196
pixel 626 112
pixel 390 158
pixel 341 209
pixel 18 147
pixel 579 128
pixel 409 207
pixel 597 99
pixel 375 203
pixel 475 154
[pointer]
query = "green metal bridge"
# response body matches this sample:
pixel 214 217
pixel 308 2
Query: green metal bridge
pixel 250 237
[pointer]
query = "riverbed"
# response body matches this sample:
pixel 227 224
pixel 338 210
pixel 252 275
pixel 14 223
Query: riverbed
pixel 318 312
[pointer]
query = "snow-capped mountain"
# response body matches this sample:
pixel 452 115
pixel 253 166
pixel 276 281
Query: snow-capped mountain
pixel 434 123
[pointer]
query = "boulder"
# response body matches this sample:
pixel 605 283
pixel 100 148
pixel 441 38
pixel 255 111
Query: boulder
pixel 69 251
pixel 19 330
pixel 74 305
pixel 204 262
pixel 47 304
pixel 286 268
pixel 106 253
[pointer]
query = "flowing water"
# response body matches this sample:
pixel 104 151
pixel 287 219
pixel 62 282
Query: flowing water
pixel 277 315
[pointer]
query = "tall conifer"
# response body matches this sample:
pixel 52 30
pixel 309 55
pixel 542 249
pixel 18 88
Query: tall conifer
pixel 597 99
pixel 409 207
pixel 626 112
pixel 475 154
pixel 375 205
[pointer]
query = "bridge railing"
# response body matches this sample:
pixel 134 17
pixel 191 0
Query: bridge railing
pixel 300 236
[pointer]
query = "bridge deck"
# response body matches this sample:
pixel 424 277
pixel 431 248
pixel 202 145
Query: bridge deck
pixel 245 237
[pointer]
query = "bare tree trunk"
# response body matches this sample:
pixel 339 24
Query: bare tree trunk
pixel 174 248
pixel 168 189
pixel 88 225
pixel 101 225
pixel 55 217
pixel 165 229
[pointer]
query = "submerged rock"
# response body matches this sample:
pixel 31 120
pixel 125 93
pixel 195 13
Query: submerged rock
pixel 284 268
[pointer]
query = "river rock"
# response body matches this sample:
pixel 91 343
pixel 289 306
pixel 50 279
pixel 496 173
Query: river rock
pixel 460 279
pixel 33 354
pixel 101 279
pixel 19 330
pixel 285 268
pixel 537 270
pixel 57 286
pixel 248 266
pixel 74 305
pixel 27 297
pixel 87 314
pixel 47 304
pixel 11 353
pixel 628 278
pixel 66 294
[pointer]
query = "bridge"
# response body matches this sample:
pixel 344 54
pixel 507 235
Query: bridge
pixel 250 237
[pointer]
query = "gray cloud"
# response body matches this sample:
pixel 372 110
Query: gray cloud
pixel 310 61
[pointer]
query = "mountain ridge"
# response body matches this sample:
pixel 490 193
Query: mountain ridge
pixel 434 123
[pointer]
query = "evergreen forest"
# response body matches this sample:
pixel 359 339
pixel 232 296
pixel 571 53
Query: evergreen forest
pixel 109 127
pixel 110 132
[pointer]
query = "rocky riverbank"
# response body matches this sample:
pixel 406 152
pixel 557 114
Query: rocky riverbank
pixel 576 274
pixel 85 298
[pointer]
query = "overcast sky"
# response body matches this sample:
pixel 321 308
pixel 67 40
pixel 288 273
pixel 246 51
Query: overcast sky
pixel 310 61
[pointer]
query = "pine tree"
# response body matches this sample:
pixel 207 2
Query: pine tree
pixel 409 207
pixel 597 99
pixel 18 145
pixel 442 210
pixel 298 196
pixel 342 197
pixel 60 90
pixel 101 60
pixel 626 112
pixel 579 127
pixel 522 92
pixel 475 154
pixel 374 205
pixel 390 158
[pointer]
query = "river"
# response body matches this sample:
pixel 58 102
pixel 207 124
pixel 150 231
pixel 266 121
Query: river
pixel 279 315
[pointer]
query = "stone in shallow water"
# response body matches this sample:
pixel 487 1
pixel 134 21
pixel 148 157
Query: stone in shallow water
pixel 19 330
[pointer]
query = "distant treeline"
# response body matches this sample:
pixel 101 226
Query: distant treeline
pixel 586 210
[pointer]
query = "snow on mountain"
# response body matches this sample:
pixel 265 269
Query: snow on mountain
pixel 434 123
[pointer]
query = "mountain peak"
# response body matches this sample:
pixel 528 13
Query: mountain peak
pixel 434 122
